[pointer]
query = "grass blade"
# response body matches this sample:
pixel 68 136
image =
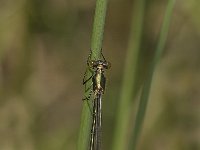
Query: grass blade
pixel 147 84
pixel 129 79
pixel 96 45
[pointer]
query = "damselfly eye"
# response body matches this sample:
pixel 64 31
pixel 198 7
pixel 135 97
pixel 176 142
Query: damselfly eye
pixel 107 65
pixel 91 63
pixel 94 63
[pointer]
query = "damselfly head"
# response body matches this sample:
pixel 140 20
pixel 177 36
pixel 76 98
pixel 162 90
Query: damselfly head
pixel 99 63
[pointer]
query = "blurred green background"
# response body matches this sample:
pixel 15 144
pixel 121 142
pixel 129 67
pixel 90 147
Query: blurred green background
pixel 43 51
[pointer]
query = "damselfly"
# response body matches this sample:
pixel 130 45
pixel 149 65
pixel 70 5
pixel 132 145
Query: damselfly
pixel 97 88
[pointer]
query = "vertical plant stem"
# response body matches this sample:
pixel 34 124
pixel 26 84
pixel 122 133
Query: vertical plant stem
pixel 96 45
pixel 98 28
pixel 147 84
pixel 129 78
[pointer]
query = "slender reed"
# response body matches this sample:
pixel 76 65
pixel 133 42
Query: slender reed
pixel 129 78
pixel 147 84
pixel 96 45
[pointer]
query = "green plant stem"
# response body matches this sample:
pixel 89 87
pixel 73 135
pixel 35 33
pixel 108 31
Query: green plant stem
pixel 129 78
pixel 98 28
pixel 96 45
pixel 147 84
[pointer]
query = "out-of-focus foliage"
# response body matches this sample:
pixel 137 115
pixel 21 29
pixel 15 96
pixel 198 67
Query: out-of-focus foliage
pixel 43 51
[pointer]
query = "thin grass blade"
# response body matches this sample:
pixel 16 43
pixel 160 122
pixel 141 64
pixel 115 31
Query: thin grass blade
pixel 129 78
pixel 96 46
pixel 147 84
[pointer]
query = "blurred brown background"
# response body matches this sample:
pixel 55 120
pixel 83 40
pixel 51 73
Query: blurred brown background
pixel 44 45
